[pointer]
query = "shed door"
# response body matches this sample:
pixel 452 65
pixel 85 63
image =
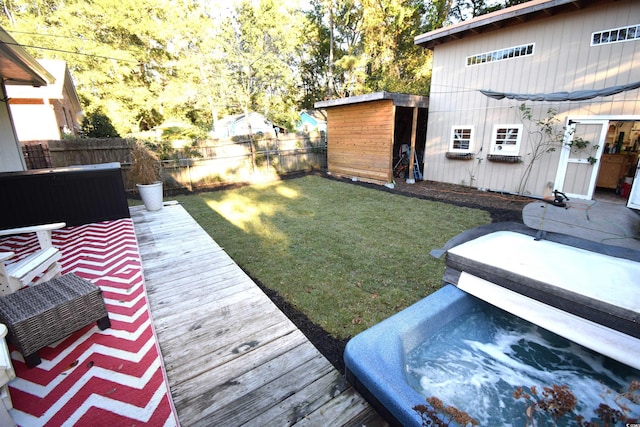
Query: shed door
pixel 580 157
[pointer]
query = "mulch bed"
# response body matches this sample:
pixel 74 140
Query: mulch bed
pixel 502 208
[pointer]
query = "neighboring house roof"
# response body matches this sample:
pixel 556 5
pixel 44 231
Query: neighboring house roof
pixel 63 81
pixel 519 14
pixel 230 120
pixel 399 99
pixel 236 125
pixel 316 115
pixel 18 67
pixel 314 119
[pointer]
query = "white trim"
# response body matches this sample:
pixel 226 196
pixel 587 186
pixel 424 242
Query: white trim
pixel 620 117
pixel 472 131
pixel 636 28
pixel 565 152
pixel 499 55
pixel 561 174
pixel 634 196
pixel 506 149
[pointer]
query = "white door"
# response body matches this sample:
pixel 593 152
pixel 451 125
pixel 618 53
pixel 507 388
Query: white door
pixel 580 154
pixel 634 197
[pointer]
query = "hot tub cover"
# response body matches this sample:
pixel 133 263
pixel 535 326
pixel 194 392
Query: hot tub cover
pixel 597 286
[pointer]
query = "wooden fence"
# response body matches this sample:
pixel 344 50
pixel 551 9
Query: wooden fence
pixel 210 163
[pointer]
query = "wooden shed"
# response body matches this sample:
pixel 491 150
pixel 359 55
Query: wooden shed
pixel 365 134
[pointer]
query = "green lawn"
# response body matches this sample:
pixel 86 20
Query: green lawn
pixel 345 255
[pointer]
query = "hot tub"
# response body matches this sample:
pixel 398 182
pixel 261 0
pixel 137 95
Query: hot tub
pixel 603 318
pixel 375 359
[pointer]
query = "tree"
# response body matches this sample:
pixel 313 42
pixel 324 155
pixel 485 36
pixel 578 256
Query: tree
pixel 395 63
pixel 98 125
pixel 438 12
pixel 127 56
pixel 543 137
pixel 260 46
pixel 461 10
pixel 142 62
pixel 370 47
pixel 334 65
pixel 315 59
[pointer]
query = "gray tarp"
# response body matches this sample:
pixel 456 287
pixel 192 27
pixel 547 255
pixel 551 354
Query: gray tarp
pixel 579 95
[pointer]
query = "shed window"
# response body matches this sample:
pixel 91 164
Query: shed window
pixel 615 35
pixel 501 54
pixel 461 139
pixel 506 140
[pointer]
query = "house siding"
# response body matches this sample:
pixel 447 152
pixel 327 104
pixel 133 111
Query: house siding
pixel 360 140
pixel 46 112
pixel 11 159
pixel 563 60
pixel 35 122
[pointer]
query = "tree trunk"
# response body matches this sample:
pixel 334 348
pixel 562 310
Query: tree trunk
pixel 252 144
pixel 330 79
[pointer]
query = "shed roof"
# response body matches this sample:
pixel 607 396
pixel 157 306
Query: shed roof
pixel 399 100
pixel 519 14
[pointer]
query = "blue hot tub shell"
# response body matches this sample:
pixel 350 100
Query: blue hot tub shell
pixel 375 359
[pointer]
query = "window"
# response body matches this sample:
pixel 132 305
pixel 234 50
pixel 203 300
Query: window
pixel 461 139
pixel 506 140
pixel 501 54
pixel 616 35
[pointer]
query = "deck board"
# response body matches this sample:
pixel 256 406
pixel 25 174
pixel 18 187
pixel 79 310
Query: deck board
pixel 231 356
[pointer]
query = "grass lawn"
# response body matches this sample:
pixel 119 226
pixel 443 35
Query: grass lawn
pixel 345 255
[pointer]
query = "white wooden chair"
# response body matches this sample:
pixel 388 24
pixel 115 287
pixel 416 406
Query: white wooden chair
pixel 36 268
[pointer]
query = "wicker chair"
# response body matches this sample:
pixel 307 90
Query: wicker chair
pixel 38 267
pixel 38 316
pixel 51 310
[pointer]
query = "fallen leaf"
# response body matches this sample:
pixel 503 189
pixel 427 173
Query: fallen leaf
pixel 72 365
pixel 374 296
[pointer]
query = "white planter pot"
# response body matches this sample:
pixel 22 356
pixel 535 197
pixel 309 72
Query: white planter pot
pixel 151 195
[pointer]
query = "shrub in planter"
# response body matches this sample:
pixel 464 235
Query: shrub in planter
pixel 145 172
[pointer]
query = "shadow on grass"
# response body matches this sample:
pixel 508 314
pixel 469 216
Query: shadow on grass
pixel 335 258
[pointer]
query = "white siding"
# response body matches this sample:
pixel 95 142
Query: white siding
pixel 563 60
pixel 35 122
pixel 11 159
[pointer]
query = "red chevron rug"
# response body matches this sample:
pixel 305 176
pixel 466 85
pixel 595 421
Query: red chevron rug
pixel 110 378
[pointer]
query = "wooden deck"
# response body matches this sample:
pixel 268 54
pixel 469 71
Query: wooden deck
pixel 231 356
